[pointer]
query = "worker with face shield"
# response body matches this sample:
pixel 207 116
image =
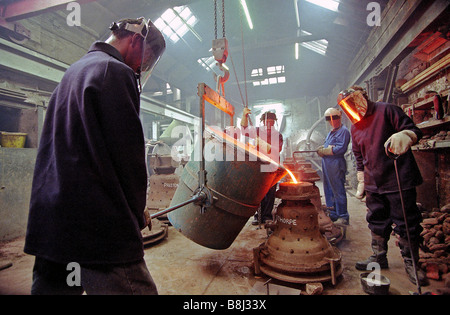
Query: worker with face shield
pixel 90 180
pixel 377 127
pixel 334 167
pixel 269 142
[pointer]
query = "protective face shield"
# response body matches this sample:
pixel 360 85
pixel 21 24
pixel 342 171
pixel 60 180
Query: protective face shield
pixel 153 46
pixel 353 104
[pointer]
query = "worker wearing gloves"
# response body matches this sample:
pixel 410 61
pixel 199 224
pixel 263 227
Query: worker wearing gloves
pixel 90 180
pixel 377 126
pixel 270 142
pixel 334 167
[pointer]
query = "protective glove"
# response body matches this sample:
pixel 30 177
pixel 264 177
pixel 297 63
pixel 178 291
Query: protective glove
pixel 321 151
pixel 244 120
pixel 360 188
pixel 401 142
pixel 263 146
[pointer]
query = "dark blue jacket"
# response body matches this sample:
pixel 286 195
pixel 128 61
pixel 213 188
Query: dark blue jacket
pixel 90 180
pixel 381 121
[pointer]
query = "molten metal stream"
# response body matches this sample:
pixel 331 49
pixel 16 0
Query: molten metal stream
pixel 294 180
pixel 250 149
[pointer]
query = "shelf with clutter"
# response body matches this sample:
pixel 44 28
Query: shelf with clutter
pixel 422 91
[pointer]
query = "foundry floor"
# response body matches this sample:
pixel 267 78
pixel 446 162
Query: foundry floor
pixel 181 267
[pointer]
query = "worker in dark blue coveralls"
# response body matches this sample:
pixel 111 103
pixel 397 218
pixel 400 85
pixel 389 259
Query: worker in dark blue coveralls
pixel 87 206
pixel 376 128
pixel 334 167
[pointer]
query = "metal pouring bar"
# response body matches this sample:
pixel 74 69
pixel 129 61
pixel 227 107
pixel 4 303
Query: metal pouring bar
pixel 232 195
pixel 203 195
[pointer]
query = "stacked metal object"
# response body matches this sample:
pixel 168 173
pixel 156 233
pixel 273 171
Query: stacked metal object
pixel 296 251
pixel 163 183
pixel 303 171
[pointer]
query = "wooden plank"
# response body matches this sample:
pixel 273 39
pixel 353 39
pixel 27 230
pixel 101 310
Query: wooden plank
pixel 56 39
pixel 426 74
pixel 379 39
pixel 400 46
pixel 376 34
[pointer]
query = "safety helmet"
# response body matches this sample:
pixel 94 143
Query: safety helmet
pixel 268 115
pixel 353 103
pixel 332 113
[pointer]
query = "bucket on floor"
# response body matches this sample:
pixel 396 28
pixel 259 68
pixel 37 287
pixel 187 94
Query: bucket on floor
pixel 13 139
pixel 237 186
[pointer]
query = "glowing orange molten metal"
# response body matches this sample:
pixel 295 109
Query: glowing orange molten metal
pixel 294 180
pixel 251 149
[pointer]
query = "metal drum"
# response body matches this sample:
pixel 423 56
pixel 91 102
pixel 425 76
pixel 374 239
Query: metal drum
pixel 237 186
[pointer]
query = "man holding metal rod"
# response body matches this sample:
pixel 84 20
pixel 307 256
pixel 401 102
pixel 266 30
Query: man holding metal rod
pixel 378 128
pixel 270 142
pixel 334 167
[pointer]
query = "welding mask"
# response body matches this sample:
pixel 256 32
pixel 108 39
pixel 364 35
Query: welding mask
pixel 153 46
pixel 353 104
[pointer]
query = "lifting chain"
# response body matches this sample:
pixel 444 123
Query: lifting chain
pixel 220 49
pixel 215 19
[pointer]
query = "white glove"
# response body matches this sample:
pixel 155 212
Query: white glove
pixel 244 120
pixel 360 188
pixel 263 145
pixel 321 151
pixel 401 141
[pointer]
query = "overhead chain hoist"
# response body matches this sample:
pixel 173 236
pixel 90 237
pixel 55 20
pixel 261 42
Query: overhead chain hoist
pixel 220 51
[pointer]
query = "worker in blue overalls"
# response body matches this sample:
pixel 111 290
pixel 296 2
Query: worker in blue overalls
pixel 334 167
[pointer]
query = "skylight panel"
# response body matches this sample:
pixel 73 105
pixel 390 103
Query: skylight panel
pixel 272 79
pixel 318 46
pixel 168 15
pixel 275 70
pixel 175 23
pixel 257 72
pixel 332 5
pixel 207 62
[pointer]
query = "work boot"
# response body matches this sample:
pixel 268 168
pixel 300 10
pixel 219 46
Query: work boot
pixel 405 250
pixel 379 248
pixel 342 221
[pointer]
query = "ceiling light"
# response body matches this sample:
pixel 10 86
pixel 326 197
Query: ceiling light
pixel 297 13
pixel 247 14
pixel 332 5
